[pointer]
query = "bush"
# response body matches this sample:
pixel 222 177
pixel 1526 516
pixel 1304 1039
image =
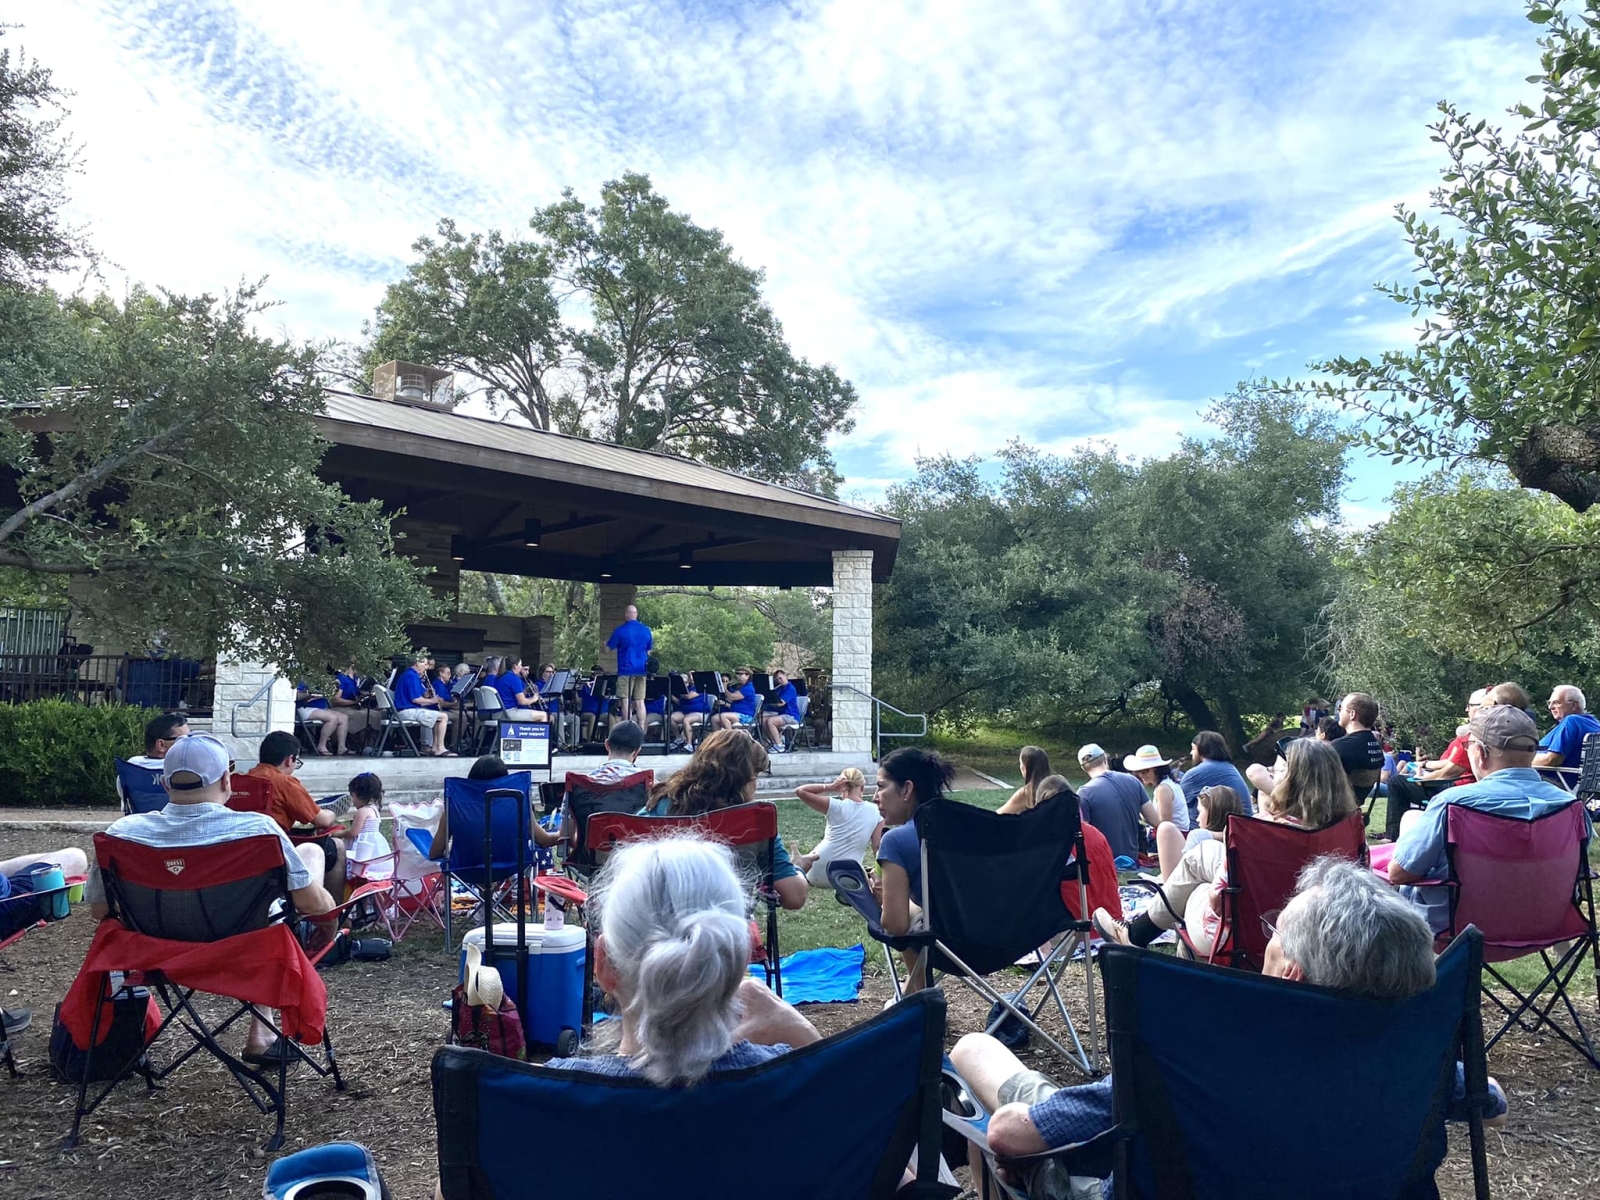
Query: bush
pixel 54 754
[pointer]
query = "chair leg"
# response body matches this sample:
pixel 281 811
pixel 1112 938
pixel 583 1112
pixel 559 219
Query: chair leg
pixel 71 1139
pixel 333 1063
pixel 445 903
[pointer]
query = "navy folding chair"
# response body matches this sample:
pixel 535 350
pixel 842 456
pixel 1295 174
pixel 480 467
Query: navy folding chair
pixel 625 1137
pixel 468 803
pixel 1303 1091
pixel 139 788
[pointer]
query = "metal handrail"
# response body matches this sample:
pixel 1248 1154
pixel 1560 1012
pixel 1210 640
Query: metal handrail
pixel 264 691
pixel 878 731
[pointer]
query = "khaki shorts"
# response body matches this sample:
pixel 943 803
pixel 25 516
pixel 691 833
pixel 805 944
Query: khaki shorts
pixel 630 687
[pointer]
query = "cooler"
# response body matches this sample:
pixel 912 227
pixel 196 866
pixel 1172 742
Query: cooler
pixel 555 976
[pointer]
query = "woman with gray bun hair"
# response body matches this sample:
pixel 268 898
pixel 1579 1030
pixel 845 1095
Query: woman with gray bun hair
pixel 673 951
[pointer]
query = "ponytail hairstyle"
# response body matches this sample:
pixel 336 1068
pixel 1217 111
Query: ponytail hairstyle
pixel 854 780
pixel 366 788
pixel 929 772
pixel 672 912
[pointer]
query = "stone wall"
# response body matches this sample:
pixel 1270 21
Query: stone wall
pixel 237 685
pixel 852 651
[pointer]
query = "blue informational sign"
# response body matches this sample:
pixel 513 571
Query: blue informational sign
pixel 523 746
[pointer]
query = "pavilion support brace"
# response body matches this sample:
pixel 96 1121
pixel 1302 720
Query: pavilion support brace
pixel 614 598
pixel 852 651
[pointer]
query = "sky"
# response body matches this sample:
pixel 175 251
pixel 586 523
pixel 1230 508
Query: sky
pixel 1072 222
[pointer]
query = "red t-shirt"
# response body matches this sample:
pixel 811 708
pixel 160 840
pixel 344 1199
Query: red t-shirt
pixel 1103 890
pixel 1456 752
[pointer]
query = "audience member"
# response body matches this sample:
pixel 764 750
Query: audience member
pixel 632 640
pixel 780 711
pixel 1167 810
pixel 673 953
pixel 1212 765
pixel 291 804
pixel 486 768
pixel 1341 930
pixel 314 708
pixel 367 852
pixel 1314 793
pixel 160 735
pixel 414 701
pixel 198 782
pixel 1034 764
pixel 1453 763
pixel 1263 748
pixel 1217 803
pixel 1501 748
pixel 1329 730
pixel 907 779
pixel 1563 745
pixel 1515 695
pixel 1113 802
pixel 1359 748
pixel 723 772
pixel 1102 883
pixel 853 823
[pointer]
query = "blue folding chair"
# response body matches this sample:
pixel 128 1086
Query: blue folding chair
pixel 625 1137
pixel 139 788
pixel 1303 1091
pixel 468 802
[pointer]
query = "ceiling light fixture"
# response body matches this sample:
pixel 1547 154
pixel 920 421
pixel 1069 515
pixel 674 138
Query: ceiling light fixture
pixel 458 548
pixel 530 533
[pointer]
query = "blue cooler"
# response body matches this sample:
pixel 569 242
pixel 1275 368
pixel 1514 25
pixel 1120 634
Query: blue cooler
pixel 554 981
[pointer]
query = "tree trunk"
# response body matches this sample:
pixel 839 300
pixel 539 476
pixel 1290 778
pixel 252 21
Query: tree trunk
pixel 497 597
pixel 1192 702
pixel 1563 460
pixel 1232 722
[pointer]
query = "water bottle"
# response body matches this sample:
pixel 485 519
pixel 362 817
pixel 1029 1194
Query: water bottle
pixel 555 913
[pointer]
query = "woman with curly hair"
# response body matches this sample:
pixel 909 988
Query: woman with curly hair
pixel 722 773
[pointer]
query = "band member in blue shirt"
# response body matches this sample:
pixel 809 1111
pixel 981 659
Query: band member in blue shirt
pixel 692 709
pixel 632 640
pixel 521 698
pixel 780 711
pixel 595 711
pixel 742 702
pixel 414 701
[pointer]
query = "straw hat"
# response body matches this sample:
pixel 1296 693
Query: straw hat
pixel 1143 759
pixel 483 983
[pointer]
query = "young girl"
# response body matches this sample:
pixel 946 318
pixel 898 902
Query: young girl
pixel 853 823
pixel 367 851
pixel 1034 763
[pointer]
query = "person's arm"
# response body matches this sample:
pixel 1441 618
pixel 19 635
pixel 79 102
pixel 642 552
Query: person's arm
pixel 1548 758
pixel 1419 852
pixel 815 795
pixel 1445 771
pixel 1017 803
pixel 792 892
pixel 353 830
pixel 896 898
pixel 769 1020
pixel 1165 800
pixel 312 900
pixel 440 846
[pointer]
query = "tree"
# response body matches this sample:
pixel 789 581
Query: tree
pixel 172 458
pixel 35 160
pixel 670 345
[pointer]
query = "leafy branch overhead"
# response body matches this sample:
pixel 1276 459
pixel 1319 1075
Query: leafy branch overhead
pixel 626 322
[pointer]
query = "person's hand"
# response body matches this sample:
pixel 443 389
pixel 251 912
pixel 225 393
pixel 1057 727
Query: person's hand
pixel 875 886
pixel 769 1020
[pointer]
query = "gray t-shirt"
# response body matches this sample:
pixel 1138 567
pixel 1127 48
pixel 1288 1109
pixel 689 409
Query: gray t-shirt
pixel 1111 802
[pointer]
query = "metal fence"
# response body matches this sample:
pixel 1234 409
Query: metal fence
pixel 169 684
pixel 32 630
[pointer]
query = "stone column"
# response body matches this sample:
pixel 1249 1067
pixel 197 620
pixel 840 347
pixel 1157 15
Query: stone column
pixel 241 728
pixel 614 597
pixel 852 651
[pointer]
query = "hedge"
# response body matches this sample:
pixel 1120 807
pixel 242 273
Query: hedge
pixel 55 754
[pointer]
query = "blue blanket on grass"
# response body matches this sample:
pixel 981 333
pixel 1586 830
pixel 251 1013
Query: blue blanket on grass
pixel 820 976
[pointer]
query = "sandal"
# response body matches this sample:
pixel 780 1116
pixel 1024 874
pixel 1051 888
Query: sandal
pixel 270 1056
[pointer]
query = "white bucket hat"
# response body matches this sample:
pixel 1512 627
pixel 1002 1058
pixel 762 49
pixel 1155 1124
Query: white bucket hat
pixel 1143 759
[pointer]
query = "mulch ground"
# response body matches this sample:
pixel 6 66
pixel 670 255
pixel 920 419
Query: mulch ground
pixel 199 1137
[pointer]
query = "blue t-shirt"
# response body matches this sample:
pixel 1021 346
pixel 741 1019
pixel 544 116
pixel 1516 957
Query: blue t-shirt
pixel 511 686
pixel 407 689
pixel 589 702
pixel 782 700
pixel 632 642
pixel 698 703
pixel 1208 773
pixel 903 848
pixel 658 705
pixel 304 699
pixel 746 704
pixel 349 687
pixel 1517 792
pixel 1566 739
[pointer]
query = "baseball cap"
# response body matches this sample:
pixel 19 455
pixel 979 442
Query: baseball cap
pixel 1504 728
pixel 200 758
pixel 1091 752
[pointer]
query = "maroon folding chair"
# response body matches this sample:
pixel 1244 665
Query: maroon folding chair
pixel 250 793
pixel 751 830
pixel 1265 859
pixel 587 796
pixel 216 919
pixel 1526 886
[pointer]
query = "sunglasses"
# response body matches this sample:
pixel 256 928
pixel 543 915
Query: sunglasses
pixel 1269 922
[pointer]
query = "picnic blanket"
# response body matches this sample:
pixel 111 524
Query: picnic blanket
pixel 824 976
pixel 1135 899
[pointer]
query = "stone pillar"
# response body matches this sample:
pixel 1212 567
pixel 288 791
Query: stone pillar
pixel 539 641
pixel 614 597
pixel 241 728
pixel 852 651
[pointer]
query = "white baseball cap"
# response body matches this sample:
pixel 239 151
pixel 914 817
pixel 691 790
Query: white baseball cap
pixel 199 759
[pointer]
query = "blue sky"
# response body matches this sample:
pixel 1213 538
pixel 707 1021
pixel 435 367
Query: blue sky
pixel 1066 222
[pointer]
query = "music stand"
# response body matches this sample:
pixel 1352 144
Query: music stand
pixel 763 683
pixel 709 683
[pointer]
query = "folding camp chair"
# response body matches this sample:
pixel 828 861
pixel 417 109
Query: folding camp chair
pixel 390 721
pixel 217 919
pixel 1257 1108
pixel 487 708
pixel 21 913
pixel 712 1139
pixel 750 829
pixel 1527 886
pixel 992 893
pixel 587 796
pixel 374 898
pixel 1265 859
pixel 1589 777
pixel 249 793
pixel 139 788
pixel 465 803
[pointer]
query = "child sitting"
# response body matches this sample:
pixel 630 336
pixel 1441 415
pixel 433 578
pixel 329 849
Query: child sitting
pixel 367 852
pixel 853 823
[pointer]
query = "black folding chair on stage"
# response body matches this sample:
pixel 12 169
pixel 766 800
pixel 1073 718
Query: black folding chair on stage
pixel 992 896
pixel 215 919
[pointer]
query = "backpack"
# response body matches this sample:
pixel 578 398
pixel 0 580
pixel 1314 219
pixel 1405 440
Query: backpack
pixel 121 1049
pixel 19 908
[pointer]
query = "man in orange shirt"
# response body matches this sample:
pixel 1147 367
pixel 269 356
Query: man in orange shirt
pixel 292 805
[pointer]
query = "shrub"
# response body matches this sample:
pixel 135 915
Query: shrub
pixel 55 754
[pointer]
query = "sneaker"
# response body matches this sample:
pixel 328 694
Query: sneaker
pixel 1109 927
pixel 16 1020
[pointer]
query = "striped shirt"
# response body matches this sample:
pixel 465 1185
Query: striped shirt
pixel 197 825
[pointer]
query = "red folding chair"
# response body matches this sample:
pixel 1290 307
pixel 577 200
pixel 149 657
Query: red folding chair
pixel 1527 886
pixel 216 919
pixel 751 830
pixel 250 793
pixel 1265 859
pixel 586 796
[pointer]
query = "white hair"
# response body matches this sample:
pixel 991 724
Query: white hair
pixel 1574 695
pixel 672 911
pixel 1348 931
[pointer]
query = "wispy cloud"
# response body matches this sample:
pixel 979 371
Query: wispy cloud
pixel 1050 220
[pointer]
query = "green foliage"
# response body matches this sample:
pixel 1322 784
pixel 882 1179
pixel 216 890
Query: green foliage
pixel 1078 588
pixel 56 754
pixel 34 162
pixel 673 347
pixel 706 630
